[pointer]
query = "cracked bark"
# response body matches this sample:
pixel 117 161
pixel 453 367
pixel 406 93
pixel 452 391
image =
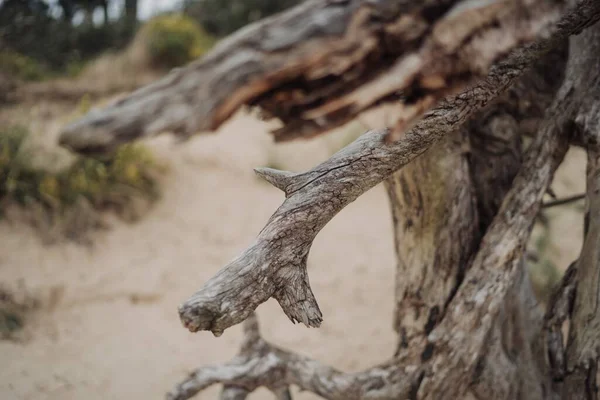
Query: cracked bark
pixel 576 301
pixel 462 334
pixel 463 208
pixel 278 255
pixel 442 204
pixel 481 320
pixel 321 63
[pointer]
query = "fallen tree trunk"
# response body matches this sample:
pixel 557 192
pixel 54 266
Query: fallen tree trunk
pixel 323 62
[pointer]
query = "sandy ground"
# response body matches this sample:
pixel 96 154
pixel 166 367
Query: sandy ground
pixel 108 327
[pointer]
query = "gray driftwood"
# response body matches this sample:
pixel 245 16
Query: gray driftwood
pixel 463 191
pixel 318 65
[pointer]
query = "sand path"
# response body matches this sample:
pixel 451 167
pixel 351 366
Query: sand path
pixel 111 331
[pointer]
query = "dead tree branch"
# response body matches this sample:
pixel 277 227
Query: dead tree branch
pixel 457 341
pixel 462 335
pixel 576 300
pixel 563 201
pixel 448 362
pixel 583 350
pixel 320 64
pixel 275 264
pixel 262 364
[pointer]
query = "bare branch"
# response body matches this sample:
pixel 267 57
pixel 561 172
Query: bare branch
pixel 280 179
pixel 449 351
pixel 275 264
pixel 262 364
pixel 320 64
pixel 458 342
pixel 564 200
pixel 560 308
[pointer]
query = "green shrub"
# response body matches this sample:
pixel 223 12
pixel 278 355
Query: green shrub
pixel 174 40
pixel 114 183
pixel 20 66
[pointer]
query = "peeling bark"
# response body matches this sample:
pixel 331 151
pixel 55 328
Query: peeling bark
pixel 450 356
pixel 468 175
pixel 580 363
pixel 321 63
pixel 278 255
pixel 463 198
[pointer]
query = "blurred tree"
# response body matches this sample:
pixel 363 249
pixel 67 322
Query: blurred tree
pixel 28 27
pixel 68 9
pixel 131 9
pixel 221 17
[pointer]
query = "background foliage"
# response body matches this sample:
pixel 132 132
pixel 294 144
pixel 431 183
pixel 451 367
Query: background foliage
pixel 220 17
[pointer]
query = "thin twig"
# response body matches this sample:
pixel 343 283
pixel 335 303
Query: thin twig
pixel 563 201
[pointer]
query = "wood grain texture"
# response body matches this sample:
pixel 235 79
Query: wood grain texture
pixel 321 63
pixel 275 264
pixel 487 339
pixel 442 205
pixel 578 364
pixel 454 346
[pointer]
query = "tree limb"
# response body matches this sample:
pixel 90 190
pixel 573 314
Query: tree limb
pixel 461 338
pixel 275 264
pixel 321 63
pixel 574 368
pixel 262 364
pixel 583 349
pixel 563 201
pixel 455 344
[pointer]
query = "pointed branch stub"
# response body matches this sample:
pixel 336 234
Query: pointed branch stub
pixel 280 179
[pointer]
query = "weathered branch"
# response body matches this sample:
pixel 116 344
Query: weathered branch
pixel 583 350
pixel 579 294
pixel 453 346
pixel 262 364
pixel 560 308
pixel 563 201
pixel 275 264
pixel 462 337
pixel 320 64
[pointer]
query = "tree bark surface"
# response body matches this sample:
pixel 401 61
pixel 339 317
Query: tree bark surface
pixel 323 62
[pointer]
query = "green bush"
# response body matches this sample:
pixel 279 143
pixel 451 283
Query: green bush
pixel 112 183
pixel 20 66
pixel 174 40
